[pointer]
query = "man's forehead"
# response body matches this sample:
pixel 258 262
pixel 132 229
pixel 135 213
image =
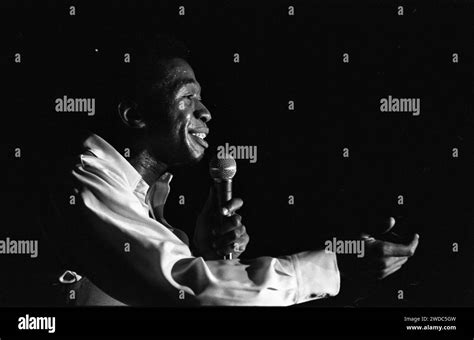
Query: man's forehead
pixel 179 69
pixel 177 73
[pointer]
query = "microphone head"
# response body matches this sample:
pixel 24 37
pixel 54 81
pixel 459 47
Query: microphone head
pixel 222 168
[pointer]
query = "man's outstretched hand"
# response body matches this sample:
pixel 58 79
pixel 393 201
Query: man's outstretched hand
pixel 382 258
pixel 214 240
pixel 385 258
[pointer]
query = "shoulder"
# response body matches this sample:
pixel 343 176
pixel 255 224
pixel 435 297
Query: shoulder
pixel 100 160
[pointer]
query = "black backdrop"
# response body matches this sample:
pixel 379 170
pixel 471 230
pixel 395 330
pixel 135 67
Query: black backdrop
pixel 282 58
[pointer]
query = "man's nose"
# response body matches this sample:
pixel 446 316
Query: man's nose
pixel 203 113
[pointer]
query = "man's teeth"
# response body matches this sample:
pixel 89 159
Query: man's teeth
pixel 200 135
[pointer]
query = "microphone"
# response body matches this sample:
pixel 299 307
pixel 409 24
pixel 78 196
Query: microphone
pixel 222 170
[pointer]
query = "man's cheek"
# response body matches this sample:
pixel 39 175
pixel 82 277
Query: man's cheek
pixel 185 104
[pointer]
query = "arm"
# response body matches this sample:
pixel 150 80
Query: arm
pixel 159 265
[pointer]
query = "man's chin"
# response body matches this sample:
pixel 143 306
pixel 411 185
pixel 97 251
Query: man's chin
pixel 197 159
pixel 190 159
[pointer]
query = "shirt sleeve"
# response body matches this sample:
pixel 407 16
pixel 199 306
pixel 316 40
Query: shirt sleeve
pixel 138 261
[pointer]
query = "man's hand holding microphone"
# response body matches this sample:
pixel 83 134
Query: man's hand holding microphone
pixel 219 232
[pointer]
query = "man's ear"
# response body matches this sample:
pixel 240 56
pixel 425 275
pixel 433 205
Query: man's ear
pixel 130 115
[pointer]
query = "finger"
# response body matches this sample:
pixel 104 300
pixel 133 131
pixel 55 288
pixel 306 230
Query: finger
pixel 229 249
pixel 392 261
pixel 367 237
pixel 379 226
pixel 396 249
pixel 388 272
pixel 230 237
pixel 230 207
pixel 390 223
pixel 229 224
pixel 236 247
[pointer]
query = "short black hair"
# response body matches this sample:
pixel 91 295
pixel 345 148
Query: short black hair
pixel 134 81
pixel 147 60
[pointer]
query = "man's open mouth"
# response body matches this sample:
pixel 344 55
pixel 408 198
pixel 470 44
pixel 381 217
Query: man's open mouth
pixel 199 137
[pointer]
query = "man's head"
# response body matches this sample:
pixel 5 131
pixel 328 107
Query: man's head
pixel 166 104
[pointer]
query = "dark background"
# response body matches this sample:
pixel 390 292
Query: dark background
pixel 282 58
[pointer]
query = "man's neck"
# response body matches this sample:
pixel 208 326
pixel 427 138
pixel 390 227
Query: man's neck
pixel 148 167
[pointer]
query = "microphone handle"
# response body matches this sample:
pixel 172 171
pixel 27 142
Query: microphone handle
pixel 223 191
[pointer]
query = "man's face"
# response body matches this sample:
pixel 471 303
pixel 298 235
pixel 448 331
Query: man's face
pixel 177 135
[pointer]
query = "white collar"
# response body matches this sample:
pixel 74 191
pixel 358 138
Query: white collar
pixel 103 150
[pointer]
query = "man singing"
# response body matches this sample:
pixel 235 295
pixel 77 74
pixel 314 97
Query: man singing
pixel 121 249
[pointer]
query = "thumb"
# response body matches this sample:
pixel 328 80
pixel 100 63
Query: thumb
pixel 379 226
pixel 367 237
pixel 389 224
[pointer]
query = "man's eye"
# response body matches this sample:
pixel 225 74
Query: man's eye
pixel 192 96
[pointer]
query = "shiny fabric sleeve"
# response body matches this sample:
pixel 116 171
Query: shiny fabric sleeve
pixel 139 261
